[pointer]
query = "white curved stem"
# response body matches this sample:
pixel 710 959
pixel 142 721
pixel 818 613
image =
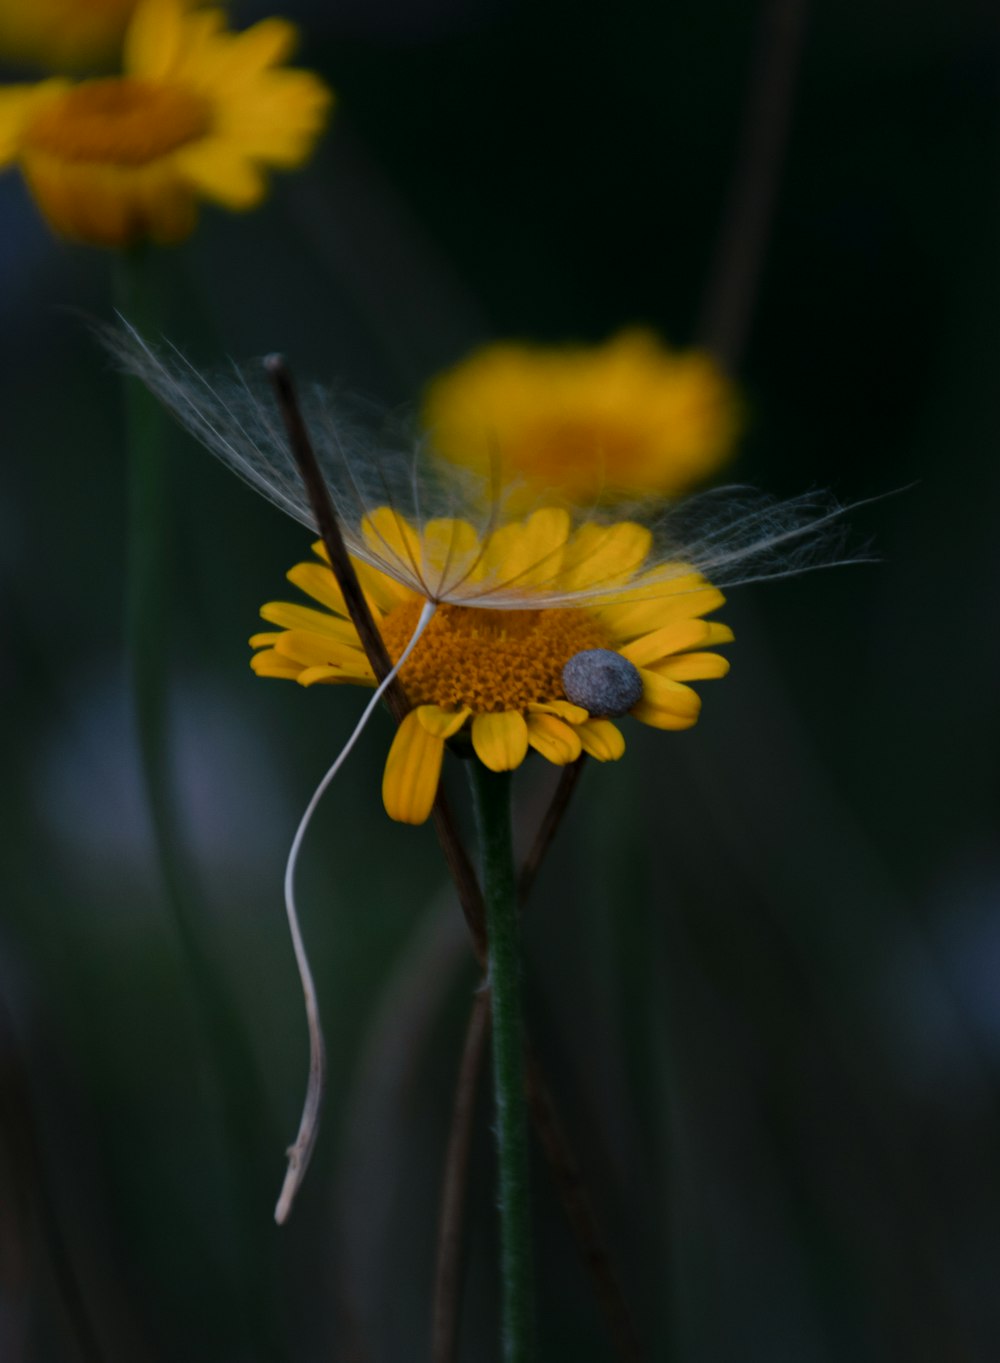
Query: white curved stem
pixel 299 1153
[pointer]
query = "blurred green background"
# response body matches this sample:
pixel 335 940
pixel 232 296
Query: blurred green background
pixel 764 954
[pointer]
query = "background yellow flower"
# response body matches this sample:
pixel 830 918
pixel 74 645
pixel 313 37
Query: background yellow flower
pixel 629 418
pixel 200 112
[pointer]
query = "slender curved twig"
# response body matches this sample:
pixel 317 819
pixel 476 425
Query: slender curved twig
pixel 547 829
pixel 448 1266
pixel 580 1212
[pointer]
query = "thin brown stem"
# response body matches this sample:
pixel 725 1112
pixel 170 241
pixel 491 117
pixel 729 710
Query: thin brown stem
pixel 459 864
pixel 329 528
pixel 19 1127
pixel 580 1212
pixel 749 208
pixel 547 829
pixel 449 1265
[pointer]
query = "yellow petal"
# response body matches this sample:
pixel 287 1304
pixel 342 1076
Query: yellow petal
pixel 667 694
pixel 274 118
pixel 394 540
pixel 267 43
pixel 441 723
pixel 18 104
pixel 107 205
pixel 153 39
pixel 666 704
pixel 382 592
pixel 601 739
pixel 676 638
pixel 329 672
pixel 500 740
pixel 412 771
pixel 555 740
pixel 221 174
pixel 317 650
pixel 601 555
pixel 317 580
pixel 573 714
pixel 541 545
pixel 291 616
pixel 662 719
pixel 271 664
pixel 526 553
pixel 693 667
pixel 449 548
pixel 693 597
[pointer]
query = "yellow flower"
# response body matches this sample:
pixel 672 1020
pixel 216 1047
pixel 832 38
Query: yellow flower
pixel 542 634
pixel 199 113
pixel 62 35
pixel 627 419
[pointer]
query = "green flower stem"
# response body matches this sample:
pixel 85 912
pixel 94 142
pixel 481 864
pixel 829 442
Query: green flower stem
pixel 491 795
pixel 151 533
pixel 147 601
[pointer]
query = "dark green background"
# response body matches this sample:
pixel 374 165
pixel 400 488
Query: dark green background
pixel 764 955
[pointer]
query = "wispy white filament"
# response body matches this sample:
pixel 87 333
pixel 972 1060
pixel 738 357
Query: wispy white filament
pixel 300 1153
pixel 730 535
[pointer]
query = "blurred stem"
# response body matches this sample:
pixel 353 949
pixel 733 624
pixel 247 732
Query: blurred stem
pixel 147 599
pixel 29 1189
pixel 450 1259
pixel 148 602
pixel 742 241
pixel 492 800
pixel 579 1211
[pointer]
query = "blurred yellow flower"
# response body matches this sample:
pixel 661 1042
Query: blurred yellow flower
pixel 62 35
pixel 541 635
pixel 590 424
pixel 200 112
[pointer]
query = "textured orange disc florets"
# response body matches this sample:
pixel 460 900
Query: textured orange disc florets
pixel 124 121
pixel 488 660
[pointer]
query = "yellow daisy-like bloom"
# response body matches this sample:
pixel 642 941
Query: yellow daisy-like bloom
pixel 499 674
pixel 627 419
pixel 62 35
pixel 200 112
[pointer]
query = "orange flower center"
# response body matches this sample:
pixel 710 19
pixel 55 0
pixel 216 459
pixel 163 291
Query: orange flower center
pixel 121 121
pixel 488 660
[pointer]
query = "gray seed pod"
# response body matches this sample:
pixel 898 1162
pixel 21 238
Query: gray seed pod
pixel 603 682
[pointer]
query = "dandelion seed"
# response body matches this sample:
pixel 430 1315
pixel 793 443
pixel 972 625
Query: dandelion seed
pixel 729 535
pixel 199 113
pixel 516 600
